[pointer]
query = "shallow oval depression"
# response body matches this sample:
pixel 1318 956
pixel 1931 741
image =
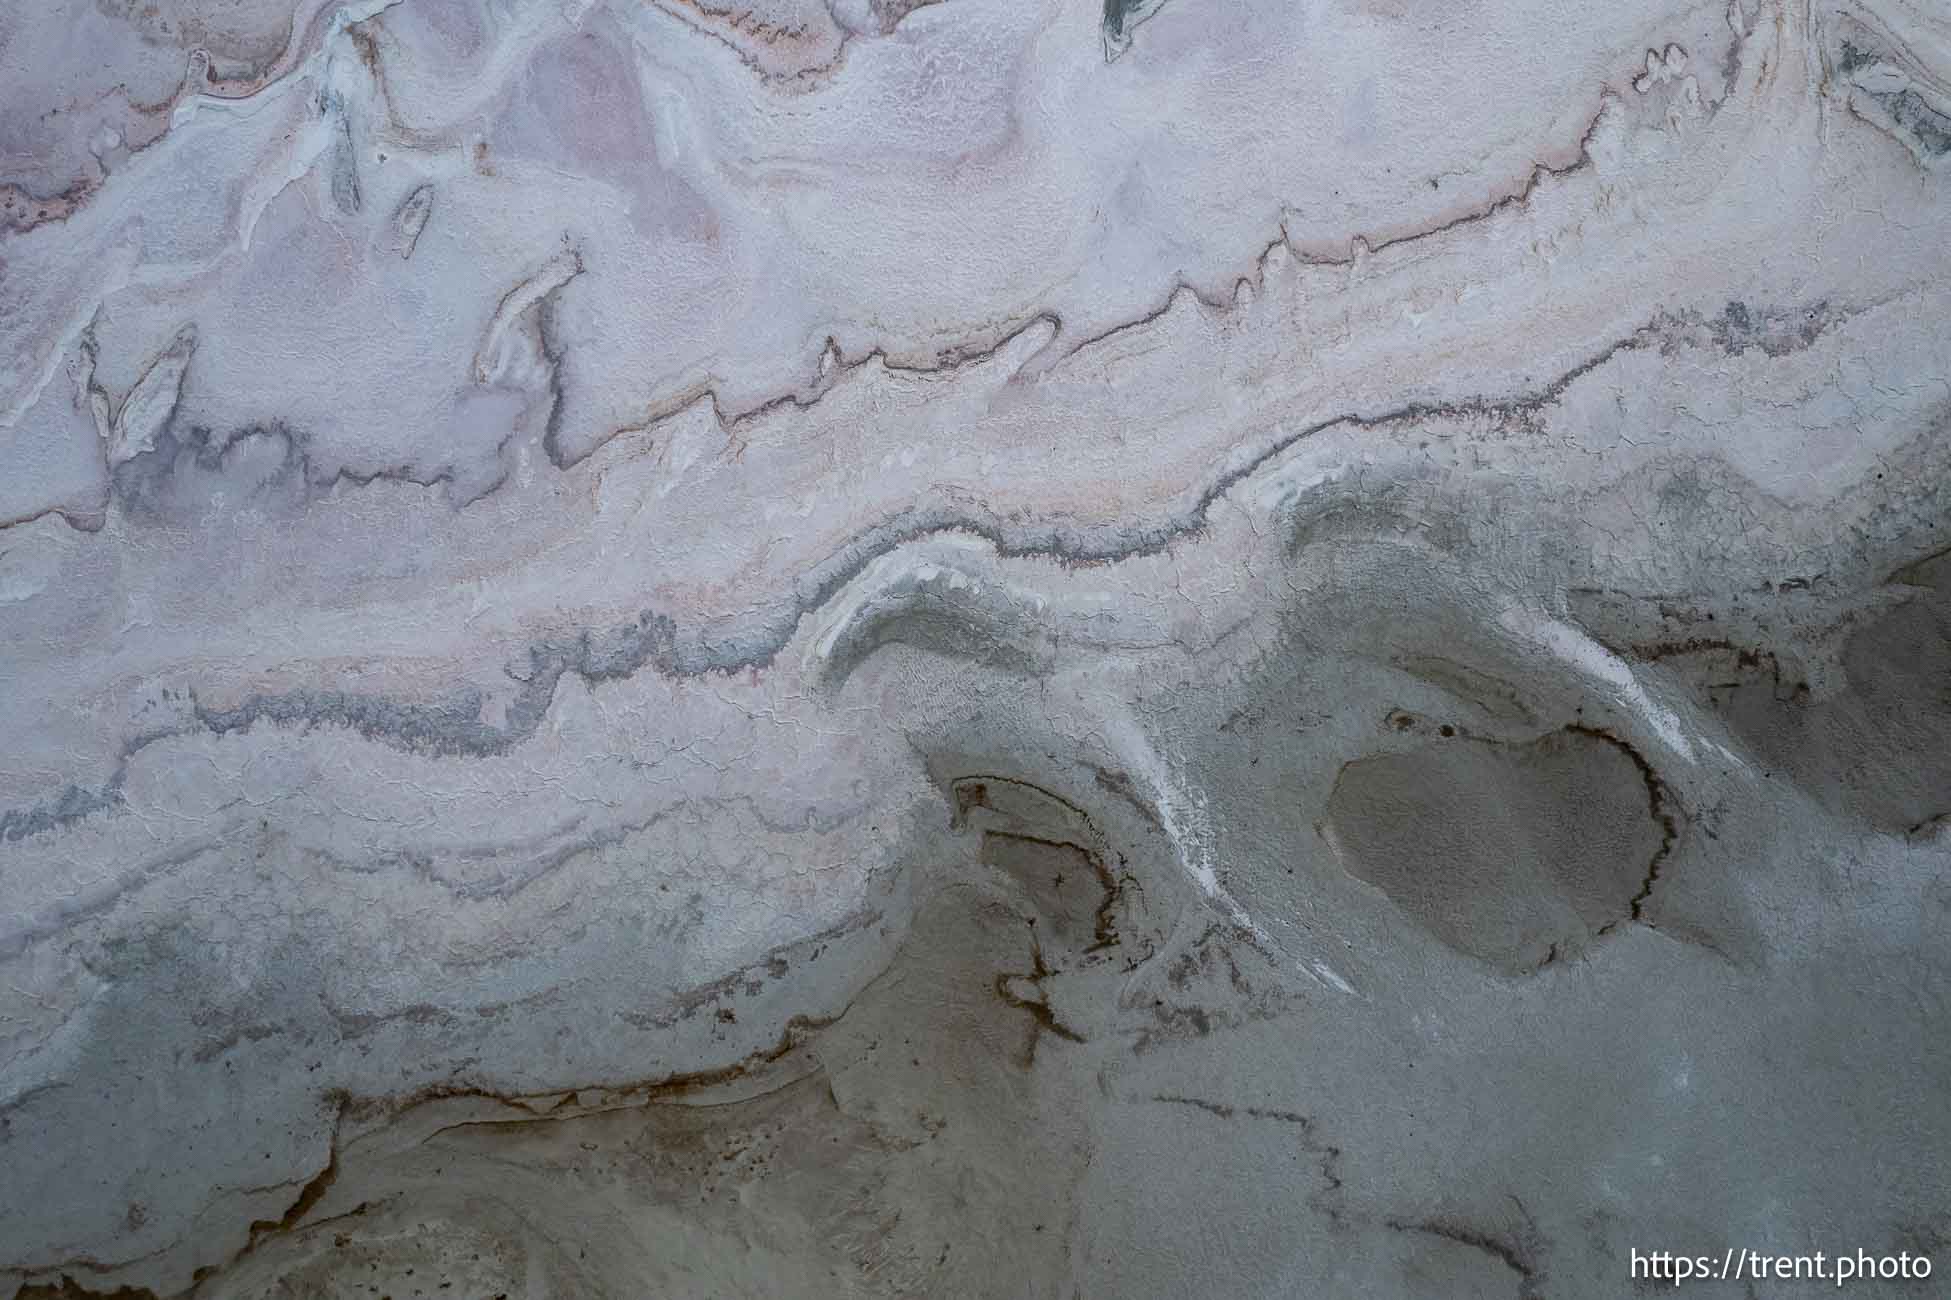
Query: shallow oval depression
pixel 1514 853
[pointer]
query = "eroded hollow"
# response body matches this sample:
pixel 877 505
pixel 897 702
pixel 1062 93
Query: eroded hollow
pixel 1515 854
pixel 1879 749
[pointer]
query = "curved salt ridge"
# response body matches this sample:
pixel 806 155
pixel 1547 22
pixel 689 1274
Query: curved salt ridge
pixel 901 583
pixel 1600 665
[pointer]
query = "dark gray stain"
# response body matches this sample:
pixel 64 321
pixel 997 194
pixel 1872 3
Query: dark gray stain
pixel 71 805
pixel 453 727
pixel 270 466
pixel 1776 332
pixel 1121 17
pixel 1928 127
pixel 1925 127
pixel 1117 13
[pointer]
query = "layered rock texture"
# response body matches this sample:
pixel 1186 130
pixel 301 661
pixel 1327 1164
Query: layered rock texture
pixel 970 648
